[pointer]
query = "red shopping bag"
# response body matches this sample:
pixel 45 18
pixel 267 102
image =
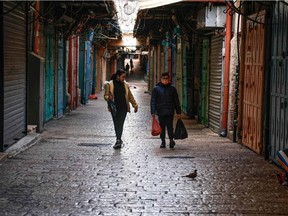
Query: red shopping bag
pixel 156 129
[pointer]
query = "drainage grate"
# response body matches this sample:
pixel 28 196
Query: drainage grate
pixel 179 157
pixel 94 144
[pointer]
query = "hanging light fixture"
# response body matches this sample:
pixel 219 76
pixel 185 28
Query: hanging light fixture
pixel 129 7
pixel 126 12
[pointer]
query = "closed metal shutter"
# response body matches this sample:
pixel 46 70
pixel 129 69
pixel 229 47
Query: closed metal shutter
pixel 158 64
pixel 204 82
pixel 14 42
pixel 60 80
pixel 279 80
pixel 190 81
pixel 215 83
pixel 179 70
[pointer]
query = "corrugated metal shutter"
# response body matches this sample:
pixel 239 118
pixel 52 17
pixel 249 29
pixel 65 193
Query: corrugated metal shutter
pixel 49 78
pixel 82 70
pixel 88 74
pixel 179 70
pixel 151 69
pixel 279 80
pixel 204 81
pixel 174 65
pixel 184 89
pixel 215 83
pixel 75 69
pixel 60 76
pixel 190 80
pixel 14 26
pixel 158 64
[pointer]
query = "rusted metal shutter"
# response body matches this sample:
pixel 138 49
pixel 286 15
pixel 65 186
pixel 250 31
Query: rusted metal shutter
pixel 253 84
pixel 14 44
pixel 215 83
pixel 158 64
pixel 179 70
pixel 279 80
pixel 151 68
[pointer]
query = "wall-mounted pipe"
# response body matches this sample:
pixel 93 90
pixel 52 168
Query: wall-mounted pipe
pixel 36 27
pixel 226 73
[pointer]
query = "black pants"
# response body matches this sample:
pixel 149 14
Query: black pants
pixel 118 121
pixel 166 122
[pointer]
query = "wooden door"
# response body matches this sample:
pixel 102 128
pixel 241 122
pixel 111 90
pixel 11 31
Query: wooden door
pixel 253 83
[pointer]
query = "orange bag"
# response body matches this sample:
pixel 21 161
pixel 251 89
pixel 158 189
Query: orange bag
pixel 156 129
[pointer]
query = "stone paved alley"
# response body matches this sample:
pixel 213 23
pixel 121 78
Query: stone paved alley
pixel 73 170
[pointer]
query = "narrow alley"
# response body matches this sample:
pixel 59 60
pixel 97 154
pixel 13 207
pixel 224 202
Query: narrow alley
pixel 73 170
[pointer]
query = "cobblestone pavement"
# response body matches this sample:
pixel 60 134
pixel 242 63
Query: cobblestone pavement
pixel 73 170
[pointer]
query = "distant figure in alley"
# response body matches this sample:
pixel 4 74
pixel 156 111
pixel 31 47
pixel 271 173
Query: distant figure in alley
pixel 131 65
pixel 127 69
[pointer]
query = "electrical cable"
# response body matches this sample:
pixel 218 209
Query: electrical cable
pixel 284 2
pixel 7 12
pixel 82 4
pixel 47 11
pixel 236 10
pixel 187 23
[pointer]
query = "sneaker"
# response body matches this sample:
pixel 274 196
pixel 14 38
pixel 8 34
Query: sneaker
pixel 118 144
pixel 172 144
pixel 163 144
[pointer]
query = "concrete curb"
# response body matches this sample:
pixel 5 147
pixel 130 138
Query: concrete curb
pixel 3 155
pixel 23 144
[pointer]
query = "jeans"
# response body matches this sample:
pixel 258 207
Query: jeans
pixel 118 121
pixel 166 121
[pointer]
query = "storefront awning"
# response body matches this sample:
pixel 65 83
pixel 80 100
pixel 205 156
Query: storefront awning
pixel 146 4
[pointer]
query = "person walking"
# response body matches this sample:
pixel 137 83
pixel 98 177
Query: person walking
pixel 164 103
pixel 117 90
pixel 131 65
pixel 127 69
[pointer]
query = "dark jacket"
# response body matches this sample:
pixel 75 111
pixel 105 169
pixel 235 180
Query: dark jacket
pixel 164 100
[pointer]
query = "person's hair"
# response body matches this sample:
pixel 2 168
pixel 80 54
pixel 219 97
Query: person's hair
pixel 165 74
pixel 118 73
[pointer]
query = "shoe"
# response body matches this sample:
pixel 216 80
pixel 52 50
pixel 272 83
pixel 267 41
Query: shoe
pixel 163 144
pixel 118 144
pixel 172 144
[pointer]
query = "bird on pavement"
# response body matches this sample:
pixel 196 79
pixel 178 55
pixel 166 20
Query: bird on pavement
pixel 192 175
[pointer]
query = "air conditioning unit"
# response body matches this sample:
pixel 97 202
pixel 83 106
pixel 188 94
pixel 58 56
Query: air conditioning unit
pixel 211 17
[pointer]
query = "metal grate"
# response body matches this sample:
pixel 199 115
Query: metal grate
pixel 94 144
pixel 179 157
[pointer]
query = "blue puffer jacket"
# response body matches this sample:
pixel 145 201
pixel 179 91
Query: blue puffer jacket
pixel 164 100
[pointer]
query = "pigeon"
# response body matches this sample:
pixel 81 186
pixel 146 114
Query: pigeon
pixel 192 175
